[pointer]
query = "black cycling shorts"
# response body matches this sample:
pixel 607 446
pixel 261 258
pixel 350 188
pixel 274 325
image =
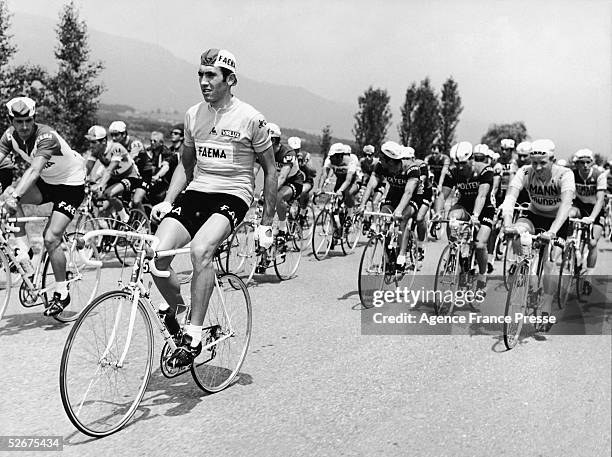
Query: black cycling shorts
pixel 586 209
pixel 543 223
pixel 6 178
pixel 295 183
pixel 393 199
pixel 65 199
pixel 192 209
pixel 486 217
pixel 340 180
pixel 129 184
pixel 425 198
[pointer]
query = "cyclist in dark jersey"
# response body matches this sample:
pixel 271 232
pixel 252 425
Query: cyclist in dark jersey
pixel 438 164
pixel 310 173
pixel 403 176
pixel 474 179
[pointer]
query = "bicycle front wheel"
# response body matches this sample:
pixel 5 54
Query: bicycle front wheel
pixel 225 336
pixel 5 283
pixel 566 275
pixel 287 255
pixel 83 279
pixel 100 394
pixel 352 233
pixel 516 303
pixel 322 234
pixel 446 282
pixel 138 222
pixel 371 270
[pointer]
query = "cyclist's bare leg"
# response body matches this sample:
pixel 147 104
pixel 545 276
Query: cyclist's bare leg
pixel 304 196
pixel 52 237
pixel 282 204
pixel 592 256
pixel 203 247
pixel 138 198
pixel 113 194
pixel 173 235
pixel 481 248
pixel 421 221
pixel 406 216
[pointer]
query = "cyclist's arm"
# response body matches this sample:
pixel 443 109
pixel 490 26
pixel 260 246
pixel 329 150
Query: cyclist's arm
pixel 481 198
pixel 411 184
pixel 282 175
pixel 183 173
pixel 163 169
pixel 323 178
pixel 567 198
pixel 89 164
pixel 445 168
pixel 372 183
pixel 496 181
pixel 268 164
pixel 347 181
pixel 108 172
pixel 599 204
pixel 507 206
pixel 31 175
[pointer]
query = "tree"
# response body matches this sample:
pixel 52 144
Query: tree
pixel 496 132
pixel 407 110
pixel 373 118
pixel 450 109
pixel 326 140
pixel 74 87
pixel 7 50
pixel 426 119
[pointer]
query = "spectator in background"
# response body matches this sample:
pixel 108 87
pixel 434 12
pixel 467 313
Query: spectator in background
pixel 177 136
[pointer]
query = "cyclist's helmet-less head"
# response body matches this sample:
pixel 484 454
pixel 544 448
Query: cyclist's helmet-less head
pixel 392 152
pixel 463 151
pixel 368 149
pixel 507 146
pixel 481 153
pixel 275 132
pixel 585 158
pixel 336 153
pixel 294 142
pixel 117 130
pixel 542 155
pixel 409 153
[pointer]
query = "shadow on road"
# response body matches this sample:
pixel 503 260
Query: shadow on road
pixel 17 323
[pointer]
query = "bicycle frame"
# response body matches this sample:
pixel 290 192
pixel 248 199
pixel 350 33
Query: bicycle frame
pixel 138 290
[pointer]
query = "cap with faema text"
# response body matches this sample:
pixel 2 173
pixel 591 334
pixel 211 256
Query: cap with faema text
pixel 219 58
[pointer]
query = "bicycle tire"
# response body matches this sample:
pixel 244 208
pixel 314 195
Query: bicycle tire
pixel 518 279
pixel 507 262
pixel 212 370
pixel 371 275
pixel 566 275
pixel 241 256
pixel 287 256
pixel 324 226
pixel 412 262
pixel 448 265
pixel 352 234
pixel 97 423
pixel 6 283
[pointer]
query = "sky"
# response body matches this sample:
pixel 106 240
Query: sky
pixel 545 62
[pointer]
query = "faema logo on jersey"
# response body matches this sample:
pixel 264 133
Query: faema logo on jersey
pixel 215 152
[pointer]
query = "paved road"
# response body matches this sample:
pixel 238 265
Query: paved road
pixel 312 384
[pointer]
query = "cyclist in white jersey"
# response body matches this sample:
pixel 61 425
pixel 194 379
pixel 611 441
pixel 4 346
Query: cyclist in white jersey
pixel 591 186
pixel 551 190
pixel 56 175
pixel 222 137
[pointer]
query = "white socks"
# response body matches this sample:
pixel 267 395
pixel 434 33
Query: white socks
pixel 195 332
pixel 61 287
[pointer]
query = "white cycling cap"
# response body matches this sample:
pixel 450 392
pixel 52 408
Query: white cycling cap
pixel 392 150
pixel 96 132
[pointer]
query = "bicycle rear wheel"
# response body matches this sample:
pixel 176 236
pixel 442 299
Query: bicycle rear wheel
pixel 308 224
pixel 352 233
pixel 566 275
pixel 241 255
pixel 371 270
pixel 446 282
pixel 6 283
pixel 288 254
pixel 227 326
pixel 98 395
pixel 83 279
pixel 322 234
pixel 516 302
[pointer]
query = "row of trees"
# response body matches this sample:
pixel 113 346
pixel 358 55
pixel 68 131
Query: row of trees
pixel 426 118
pixel 69 98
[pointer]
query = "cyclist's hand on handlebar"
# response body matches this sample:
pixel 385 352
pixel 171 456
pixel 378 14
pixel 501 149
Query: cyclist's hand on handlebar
pixel 511 230
pixel 398 215
pixel 548 235
pixel 474 219
pixel 160 210
pixel 10 204
pixel 588 220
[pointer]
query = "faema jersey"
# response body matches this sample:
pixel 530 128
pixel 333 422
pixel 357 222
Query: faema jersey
pixel 468 181
pixel 286 157
pixel 397 181
pixel 225 143
pixel 350 163
pixel 545 195
pixel 64 166
pixel 505 170
pixel 115 152
pixel 587 188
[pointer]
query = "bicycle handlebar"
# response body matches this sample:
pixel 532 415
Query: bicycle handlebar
pixel 374 213
pixel 130 236
pixel 578 220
